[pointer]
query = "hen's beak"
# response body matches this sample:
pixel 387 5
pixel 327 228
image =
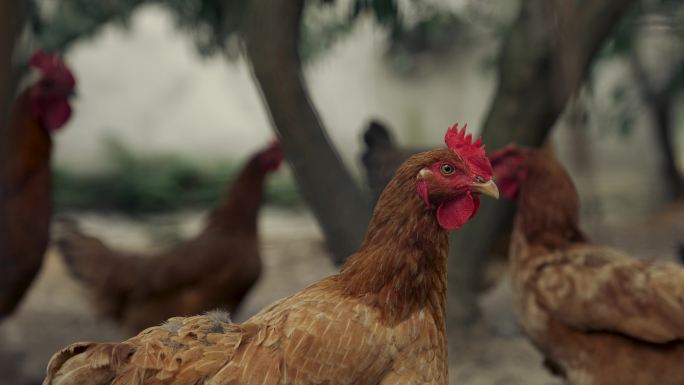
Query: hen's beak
pixel 486 188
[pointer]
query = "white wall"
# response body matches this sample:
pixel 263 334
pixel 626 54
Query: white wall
pixel 148 88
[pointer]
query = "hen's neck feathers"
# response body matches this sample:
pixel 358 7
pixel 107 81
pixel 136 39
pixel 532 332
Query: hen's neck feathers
pixel 401 265
pixel 548 206
pixel 240 206
pixel 30 144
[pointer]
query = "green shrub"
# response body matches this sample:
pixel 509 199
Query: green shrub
pixel 154 184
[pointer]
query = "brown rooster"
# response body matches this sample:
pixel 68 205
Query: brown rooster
pixel 25 178
pixel 381 158
pixel 215 269
pixel 380 320
pixel 599 316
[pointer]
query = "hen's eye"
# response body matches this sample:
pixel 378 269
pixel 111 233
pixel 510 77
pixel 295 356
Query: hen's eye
pixel 479 179
pixel 447 169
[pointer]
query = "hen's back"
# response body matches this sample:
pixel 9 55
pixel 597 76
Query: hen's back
pixel 213 270
pixel 181 351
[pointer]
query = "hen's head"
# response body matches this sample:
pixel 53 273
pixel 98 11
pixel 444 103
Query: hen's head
pixel 454 177
pixel 50 94
pixel 509 169
pixel 270 158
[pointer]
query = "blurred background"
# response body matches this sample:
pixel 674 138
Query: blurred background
pixel 175 96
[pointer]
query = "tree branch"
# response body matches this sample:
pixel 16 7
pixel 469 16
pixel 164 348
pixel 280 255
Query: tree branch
pixel 271 35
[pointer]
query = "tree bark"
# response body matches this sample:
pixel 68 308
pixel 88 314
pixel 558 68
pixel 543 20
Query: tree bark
pixel 543 62
pixel 11 20
pixel 662 111
pixel 271 34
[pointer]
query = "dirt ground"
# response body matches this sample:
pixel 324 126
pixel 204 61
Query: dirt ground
pixel 56 311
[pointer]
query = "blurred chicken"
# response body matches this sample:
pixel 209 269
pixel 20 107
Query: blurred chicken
pixel 25 178
pixel 381 320
pixel 382 157
pixel 598 315
pixel 215 269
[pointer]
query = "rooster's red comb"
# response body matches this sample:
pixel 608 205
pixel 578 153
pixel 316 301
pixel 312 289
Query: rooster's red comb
pixel 52 66
pixel 460 140
pixel 473 153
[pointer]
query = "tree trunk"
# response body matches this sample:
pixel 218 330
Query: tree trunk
pixel 543 62
pixel 660 105
pixel 662 111
pixel 11 20
pixel 271 36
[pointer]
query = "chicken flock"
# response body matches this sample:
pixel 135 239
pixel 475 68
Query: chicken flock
pixel 597 315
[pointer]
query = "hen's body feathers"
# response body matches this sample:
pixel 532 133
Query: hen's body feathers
pixel 25 193
pixel 316 336
pixel 598 315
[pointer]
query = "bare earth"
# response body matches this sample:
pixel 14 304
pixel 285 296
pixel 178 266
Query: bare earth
pixel 56 311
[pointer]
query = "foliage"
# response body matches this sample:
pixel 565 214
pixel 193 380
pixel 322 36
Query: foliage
pixel 321 28
pixel 623 44
pixel 71 20
pixel 155 184
pixel 214 25
pixel 622 41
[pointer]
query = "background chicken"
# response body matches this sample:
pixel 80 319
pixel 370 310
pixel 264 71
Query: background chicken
pixel 381 157
pixel 381 320
pixel 25 179
pixel 215 269
pixel 598 315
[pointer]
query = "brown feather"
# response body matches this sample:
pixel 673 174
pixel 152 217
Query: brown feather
pixel 25 189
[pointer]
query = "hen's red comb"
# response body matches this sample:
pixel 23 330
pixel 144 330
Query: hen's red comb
pixel 459 140
pixel 473 153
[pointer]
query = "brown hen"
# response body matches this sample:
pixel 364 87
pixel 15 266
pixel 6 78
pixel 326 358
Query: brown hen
pixel 381 320
pixel 598 315
pixel 25 177
pixel 215 269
